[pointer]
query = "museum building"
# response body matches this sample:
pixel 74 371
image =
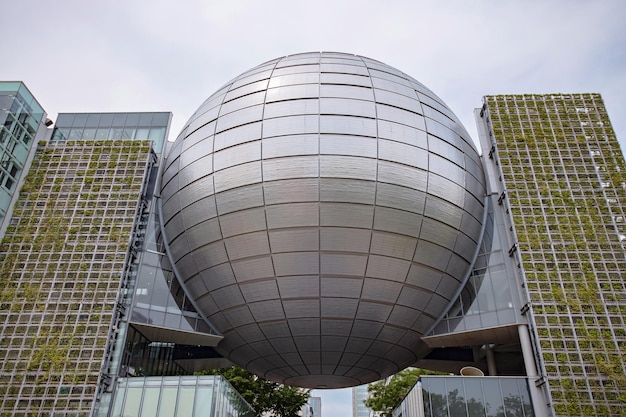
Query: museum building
pixel 323 220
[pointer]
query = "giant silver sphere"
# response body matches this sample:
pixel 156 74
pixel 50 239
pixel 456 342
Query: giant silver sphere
pixel 322 210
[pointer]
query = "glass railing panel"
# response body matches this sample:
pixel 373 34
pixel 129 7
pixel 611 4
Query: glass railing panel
pixel 446 396
pixel 178 396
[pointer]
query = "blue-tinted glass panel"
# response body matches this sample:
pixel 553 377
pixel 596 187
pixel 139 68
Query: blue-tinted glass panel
pixel 92 120
pixel 493 397
pixel 65 120
pixel 160 119
pixel 102 133
pixel 80 120
pixel 89 133
pixel 456 397
pixel 435 397
pixel 157 136
pixel 474 397
pixel 452 396
pixel 145 119
pixel 142 133
pixel 527 407
pixel 75 134
pixel 116 133
pixel 514 398
pixel 132 119
pixel 119 119
pixel 106 119
pixel 128 133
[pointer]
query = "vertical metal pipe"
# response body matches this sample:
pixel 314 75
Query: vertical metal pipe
pixel 527 350
pixel 537 396
pixel 491 361
pixel 420 400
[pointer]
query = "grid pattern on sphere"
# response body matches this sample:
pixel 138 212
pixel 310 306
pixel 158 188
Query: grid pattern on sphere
pixel 323 210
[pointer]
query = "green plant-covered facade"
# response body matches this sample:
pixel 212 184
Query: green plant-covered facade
pixel 61 261
pixel 563 178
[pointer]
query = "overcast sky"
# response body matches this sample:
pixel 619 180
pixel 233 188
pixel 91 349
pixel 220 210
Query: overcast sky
pixel 158 55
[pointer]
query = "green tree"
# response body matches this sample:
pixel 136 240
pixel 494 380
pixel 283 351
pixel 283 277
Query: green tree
pixel 277 400
pixel 385 396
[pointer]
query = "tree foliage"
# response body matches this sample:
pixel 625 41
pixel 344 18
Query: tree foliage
pixel 272 398
pixel 385 396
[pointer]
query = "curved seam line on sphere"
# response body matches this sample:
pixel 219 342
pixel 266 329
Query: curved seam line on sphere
pixel 217 212
pixel 267 224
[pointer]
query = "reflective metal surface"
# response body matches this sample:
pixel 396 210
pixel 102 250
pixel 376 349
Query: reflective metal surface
pixel 322 209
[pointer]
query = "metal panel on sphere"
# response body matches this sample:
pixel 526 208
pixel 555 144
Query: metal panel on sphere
pixel 322 209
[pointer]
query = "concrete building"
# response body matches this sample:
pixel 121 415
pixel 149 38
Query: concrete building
pixel 359 395
pixel 313 407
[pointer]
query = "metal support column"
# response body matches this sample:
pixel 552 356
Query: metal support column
pixel 491 361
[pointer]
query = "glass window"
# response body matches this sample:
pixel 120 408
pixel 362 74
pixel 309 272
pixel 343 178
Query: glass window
pixel 474 398
pixel 456 396
pixel 493 397
pixel 65 120
pixel 145 119
pixel 160 119
pixel 89 134
pixel 157 317
pixel 142 133
pixel 61 133
pixel 116 133
pixel 119 119
pixel 132 119
pixel 106 120
pixel 434 397
pixel 158 136
pixel 75 134
pixel 20 153
pixel 80 120
pixel 525 397
pixel 128 133
pixel 502 292
pixel 92 120
pixel 511 396
pixel 172 320
pixel 102 133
